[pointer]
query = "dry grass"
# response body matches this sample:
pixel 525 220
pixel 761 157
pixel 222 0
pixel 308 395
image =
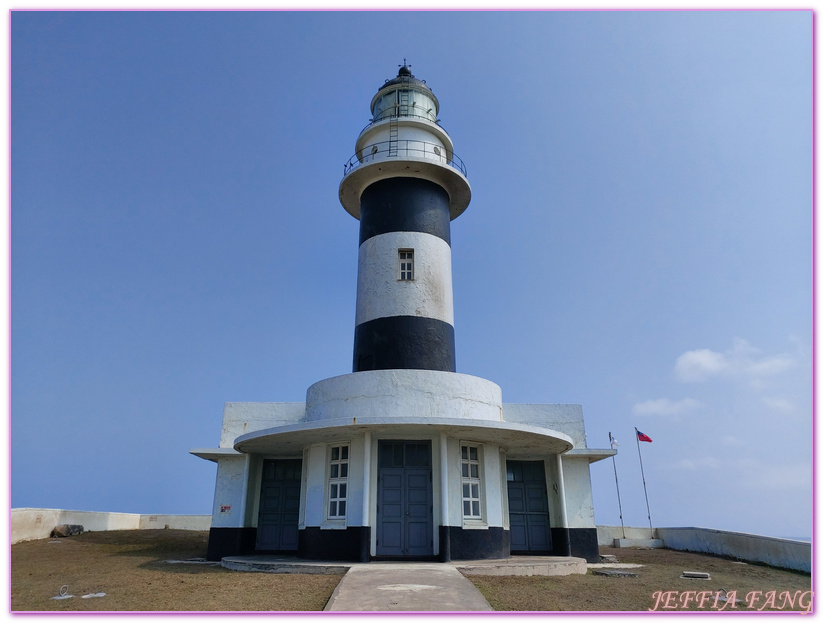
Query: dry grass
pixel 129 567
pixel 661 572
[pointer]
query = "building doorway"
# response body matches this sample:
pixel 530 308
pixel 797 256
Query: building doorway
pixel 279 505
pixel 404 499
pixel 528 508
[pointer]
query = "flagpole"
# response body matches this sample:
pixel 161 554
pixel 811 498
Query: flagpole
pixel 648 510
pixel 616 484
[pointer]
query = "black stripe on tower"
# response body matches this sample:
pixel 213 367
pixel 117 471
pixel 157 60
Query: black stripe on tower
pixel 404 343
pixel 404 204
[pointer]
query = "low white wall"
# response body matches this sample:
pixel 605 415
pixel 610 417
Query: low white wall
pixel 175 522
pixel 37 523
pixel 772 551
pixel 607 534
pixel 785 553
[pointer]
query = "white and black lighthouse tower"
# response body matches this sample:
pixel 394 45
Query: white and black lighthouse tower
pixel 405 185
pixel 404 457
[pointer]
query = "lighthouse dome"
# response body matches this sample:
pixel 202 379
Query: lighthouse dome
pixel 403 96
pixel 406 77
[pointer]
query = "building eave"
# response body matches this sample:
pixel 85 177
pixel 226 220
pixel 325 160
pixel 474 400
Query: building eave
pixel 517 438
pixel 214 454
pixel 592 454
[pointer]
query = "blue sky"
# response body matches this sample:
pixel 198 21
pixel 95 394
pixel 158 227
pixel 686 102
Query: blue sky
pixel 639 239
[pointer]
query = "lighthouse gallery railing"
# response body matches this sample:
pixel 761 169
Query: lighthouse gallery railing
pixel 385 150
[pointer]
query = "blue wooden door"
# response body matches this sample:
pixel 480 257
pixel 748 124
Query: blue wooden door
pixel 418 529
pixel 404 499
pixel 391 512
pixel 279 505
pixel 529 525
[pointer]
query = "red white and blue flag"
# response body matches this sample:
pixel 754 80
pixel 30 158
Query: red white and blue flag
pixel 643 436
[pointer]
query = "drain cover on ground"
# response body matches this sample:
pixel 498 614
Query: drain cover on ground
pixel 614 573
pixel 696 575
pixel 405 587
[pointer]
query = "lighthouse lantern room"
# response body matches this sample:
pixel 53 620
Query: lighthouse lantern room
pixel 404 458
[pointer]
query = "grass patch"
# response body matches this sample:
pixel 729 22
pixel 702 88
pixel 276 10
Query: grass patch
pixel 661 572
pixel 129 567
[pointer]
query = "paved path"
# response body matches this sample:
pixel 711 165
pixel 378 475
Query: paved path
pixel 388 586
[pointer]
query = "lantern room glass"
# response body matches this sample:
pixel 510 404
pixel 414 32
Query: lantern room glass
pixel 404 103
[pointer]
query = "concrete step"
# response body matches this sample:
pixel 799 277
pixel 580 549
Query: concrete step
pixel 514 565
pixel 524 565
pixel 284 564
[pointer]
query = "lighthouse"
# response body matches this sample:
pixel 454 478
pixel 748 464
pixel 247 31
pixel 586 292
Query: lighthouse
pixel 405 185
pixel 404 458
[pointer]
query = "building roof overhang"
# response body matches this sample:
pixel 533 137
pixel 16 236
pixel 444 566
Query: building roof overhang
pixel 214 454
pixel 592 454
pixel 516 439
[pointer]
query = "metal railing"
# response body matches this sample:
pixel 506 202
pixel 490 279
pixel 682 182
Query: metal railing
pixel 401 149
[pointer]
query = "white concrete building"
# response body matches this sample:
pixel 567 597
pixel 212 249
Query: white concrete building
pixel 404 457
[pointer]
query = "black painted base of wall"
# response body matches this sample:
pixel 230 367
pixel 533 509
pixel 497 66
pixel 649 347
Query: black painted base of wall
pixel 577 542
pixel 459 544
pixel 560 542
pixel 231 542
pixel 583 542
pixel 351 544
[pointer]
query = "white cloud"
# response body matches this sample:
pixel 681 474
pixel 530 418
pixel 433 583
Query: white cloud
pixel 742 361
pixel 698 365
pixel 664 406
pixel 779 477
pixel 747 464
pixel 779 404
pixel 729 440
pixel 706 462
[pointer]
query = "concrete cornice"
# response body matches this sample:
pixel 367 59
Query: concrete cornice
pixel 514 438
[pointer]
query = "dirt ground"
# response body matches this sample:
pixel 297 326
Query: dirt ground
pixel 658 586
pixel 128 566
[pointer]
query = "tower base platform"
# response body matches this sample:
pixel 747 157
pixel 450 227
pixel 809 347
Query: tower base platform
pixel 514 565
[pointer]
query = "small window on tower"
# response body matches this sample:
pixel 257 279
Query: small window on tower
pixel 406 264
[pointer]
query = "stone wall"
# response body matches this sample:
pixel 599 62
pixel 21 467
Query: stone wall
pixel 607 534
pixel 777 552
pixel 785 553
pixel 28 524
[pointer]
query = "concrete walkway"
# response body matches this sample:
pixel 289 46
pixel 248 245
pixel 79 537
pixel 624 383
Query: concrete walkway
pixel 408 586
pixel 400 586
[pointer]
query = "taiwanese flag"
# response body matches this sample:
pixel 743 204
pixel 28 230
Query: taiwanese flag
pixel 643 436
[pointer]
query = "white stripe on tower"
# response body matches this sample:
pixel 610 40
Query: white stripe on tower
pixel 380 291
